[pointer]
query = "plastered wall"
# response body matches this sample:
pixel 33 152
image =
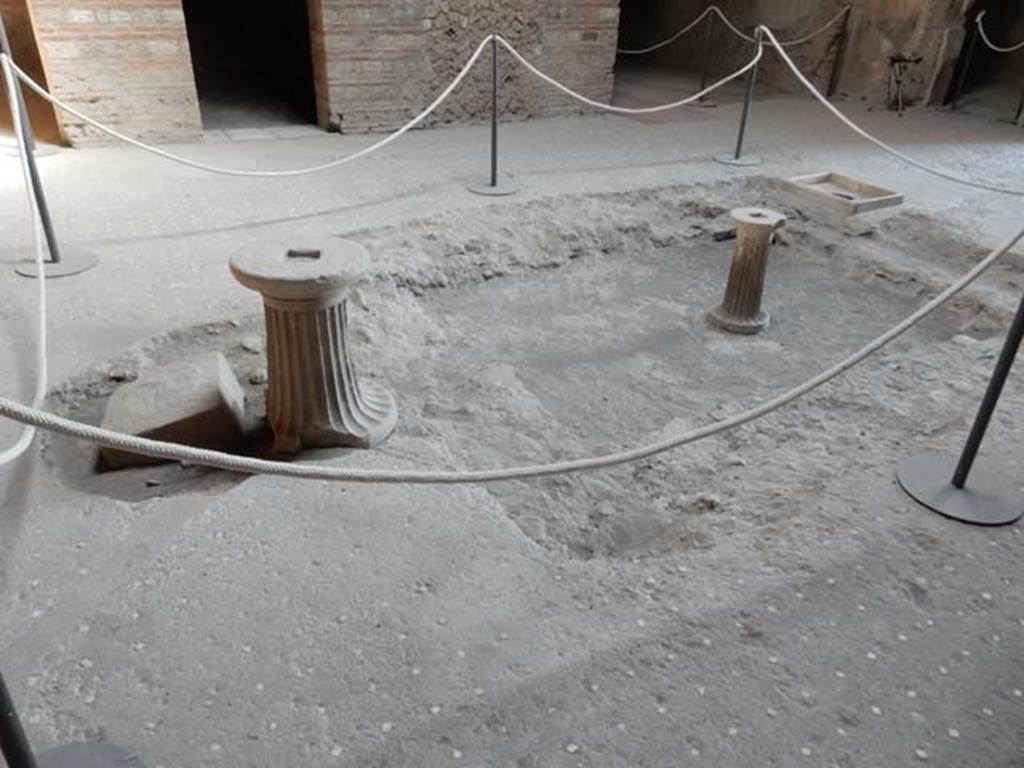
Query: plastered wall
pixel 932 29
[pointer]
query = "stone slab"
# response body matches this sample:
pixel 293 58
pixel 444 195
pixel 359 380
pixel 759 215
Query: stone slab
pixel 197 401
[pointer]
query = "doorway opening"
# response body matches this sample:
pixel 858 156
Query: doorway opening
pixel 648 77
pixel 252 62
pixel 992 80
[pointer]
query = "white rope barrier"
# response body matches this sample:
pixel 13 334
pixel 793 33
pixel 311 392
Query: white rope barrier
pixel 34 417
pixel 234 171
pixel 670 40
pixel 732 27
pixel 810 36
pixel 629 110
pixel 980 21
pixel 949 176
pixel 786 43
pixel 245 465
pixel 37 88
pixel 28 433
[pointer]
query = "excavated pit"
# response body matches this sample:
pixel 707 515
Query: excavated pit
pixel 521 334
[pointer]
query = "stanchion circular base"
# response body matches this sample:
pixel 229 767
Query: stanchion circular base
pixel 503 187
pixel 1008 121
pixel 71 263
pixel 9 148
pixel 705 104
pixel 85 755
pixel 748 160
pixel 988 498
pixel 747 327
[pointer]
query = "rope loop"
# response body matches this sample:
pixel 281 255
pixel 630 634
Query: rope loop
pixel 785 43
pixel 980 21
pixel 670 40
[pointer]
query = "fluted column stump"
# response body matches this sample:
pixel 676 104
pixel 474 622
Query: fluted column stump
pixel 314 398
pixel 740 310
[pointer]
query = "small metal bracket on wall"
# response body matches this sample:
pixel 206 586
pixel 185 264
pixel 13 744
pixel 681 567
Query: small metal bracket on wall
pixel 899 66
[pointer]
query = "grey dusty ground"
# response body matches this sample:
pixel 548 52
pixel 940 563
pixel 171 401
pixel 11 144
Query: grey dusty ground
pixel 767 598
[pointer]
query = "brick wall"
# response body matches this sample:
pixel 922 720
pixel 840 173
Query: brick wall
pixel 379 62
pixel 124 62
pixel 376 62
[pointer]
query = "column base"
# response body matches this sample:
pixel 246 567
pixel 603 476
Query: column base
pixel 71 262
pixel 988 498
pixel 719 319
pixel 376 419
pixel 88 755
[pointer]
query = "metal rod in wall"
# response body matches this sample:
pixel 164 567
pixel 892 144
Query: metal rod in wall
pixel 14 744
pixel 840 59
pixel 744 117
pixel 705 66
pixel 965 68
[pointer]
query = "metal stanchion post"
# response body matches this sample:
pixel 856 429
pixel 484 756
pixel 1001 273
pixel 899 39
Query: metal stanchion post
pixel 705 66
pixel 494 112
pixel 992 498
pixel 737 157
pixel 61 263
pixel 13 743
pixel 17 753
pixel 840 59
pixel 965 69
pixel 5 47
pixel 495 186
pixel 1018 116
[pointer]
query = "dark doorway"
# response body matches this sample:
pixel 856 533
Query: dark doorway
pixel 984 76
pixel 645 23
pixel 664 54
pixel 252 62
